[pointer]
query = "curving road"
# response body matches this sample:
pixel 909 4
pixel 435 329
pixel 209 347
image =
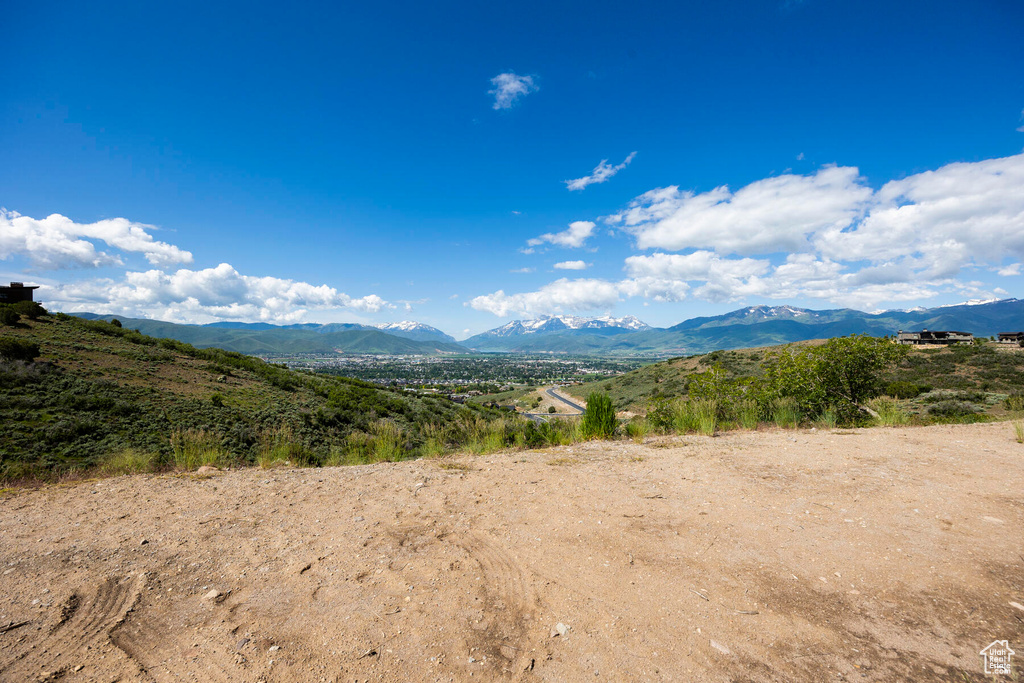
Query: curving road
pixel 563 399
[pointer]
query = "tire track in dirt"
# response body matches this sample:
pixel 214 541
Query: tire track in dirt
pixel 510 606
pixel 83 621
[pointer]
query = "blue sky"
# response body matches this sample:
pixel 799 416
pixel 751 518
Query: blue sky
pixel 464 164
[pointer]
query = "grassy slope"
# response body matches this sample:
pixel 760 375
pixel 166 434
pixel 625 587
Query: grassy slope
pixel 97 389
pixel 979 374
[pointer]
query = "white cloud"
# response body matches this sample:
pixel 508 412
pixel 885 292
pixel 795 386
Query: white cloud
pixel 574 237
pixel 776 214
pixel 509 88
pixel 219 293
pixel 601 173
pixel 845 243
pixel 524 270
pixel 571 265
pixel 560 296
pixel 57 242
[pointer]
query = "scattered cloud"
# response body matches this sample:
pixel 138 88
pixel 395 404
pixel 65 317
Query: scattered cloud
pixel 826 236
pixel 574 237
pixel 220 293
pixel 523 270
pixel 509 88
pixel 571 265
pixel 57 242
pixel 800 156
pixel 601 173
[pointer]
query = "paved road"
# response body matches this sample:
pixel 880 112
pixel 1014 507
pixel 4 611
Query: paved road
pixel 552 394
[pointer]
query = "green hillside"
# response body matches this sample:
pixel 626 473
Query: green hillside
pixel 96 393
pixel 979 377
pixel 285 340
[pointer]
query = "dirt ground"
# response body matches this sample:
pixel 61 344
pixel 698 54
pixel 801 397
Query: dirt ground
pixel 866 555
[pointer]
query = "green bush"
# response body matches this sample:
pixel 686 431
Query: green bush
pixel 551 409
pixel 29 309
pixel 1014 402
pixel 8 316
pixel 16 349
pixel 951 409
pixel 902 390
pixel 599 417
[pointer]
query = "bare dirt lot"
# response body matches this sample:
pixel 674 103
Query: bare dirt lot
pixel 877 555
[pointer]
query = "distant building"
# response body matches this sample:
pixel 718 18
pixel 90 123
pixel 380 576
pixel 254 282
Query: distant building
pixel 16 292
pixel 1011 338
pixel 934 338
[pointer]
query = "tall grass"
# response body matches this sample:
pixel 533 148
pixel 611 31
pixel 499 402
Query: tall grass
pixel 684 418
pixel 279 446
pixel 388 440
pixel 748 413
pixel 890 413
pixel 637 429
pixel 786 413
pixel 829 418
pixel 705 412
pixel 435 440
pixel 129 461
pixel 193 448
pixel 1018 429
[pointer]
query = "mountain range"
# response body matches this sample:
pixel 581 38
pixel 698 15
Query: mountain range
pixel 745 327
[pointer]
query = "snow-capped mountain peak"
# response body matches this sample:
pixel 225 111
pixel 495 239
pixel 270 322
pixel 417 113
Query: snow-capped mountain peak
pixel 555 323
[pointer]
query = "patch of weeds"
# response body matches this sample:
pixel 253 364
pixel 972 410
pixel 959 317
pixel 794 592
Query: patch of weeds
pixel 129 461
pixel 560 462
pixel 454 466
pixel 890 412
pixel 1018 430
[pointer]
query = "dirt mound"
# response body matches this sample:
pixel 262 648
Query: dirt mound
pixel 879 555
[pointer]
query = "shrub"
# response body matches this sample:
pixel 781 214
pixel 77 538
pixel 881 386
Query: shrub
pixel 1018 430
pixel 1014 402
pixel 115 322
pixel 951 409
pixel 129 461
pixel 387 441
pixel 551 409
pixel 8 316
pixel 16 349
pixel 902 390
pixel 29 309
pixel 599 418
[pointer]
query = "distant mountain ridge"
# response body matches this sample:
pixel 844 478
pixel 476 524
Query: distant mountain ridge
pixel 745 327
pixel 264 338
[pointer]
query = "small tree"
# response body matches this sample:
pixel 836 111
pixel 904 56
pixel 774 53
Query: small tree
pixel 599 418
pixel 8 316
pixel 29 309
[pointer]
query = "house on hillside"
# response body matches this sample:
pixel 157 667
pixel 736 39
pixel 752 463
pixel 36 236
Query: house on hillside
pixel 16 292
pixel 934 338
pixel 1011 338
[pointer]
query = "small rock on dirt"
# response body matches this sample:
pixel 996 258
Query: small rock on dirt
pixel 207 469
pixel 559 629
pixel 214 595
pixel 721 648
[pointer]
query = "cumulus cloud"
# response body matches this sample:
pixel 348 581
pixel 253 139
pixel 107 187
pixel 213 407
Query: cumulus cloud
pixel 574 237
pixel 560 296
pixel 601 173
pixel 778 214
pixel 57 242
pixel 571 265
pixel 220 293
pixel 509 88
pixel 828 235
